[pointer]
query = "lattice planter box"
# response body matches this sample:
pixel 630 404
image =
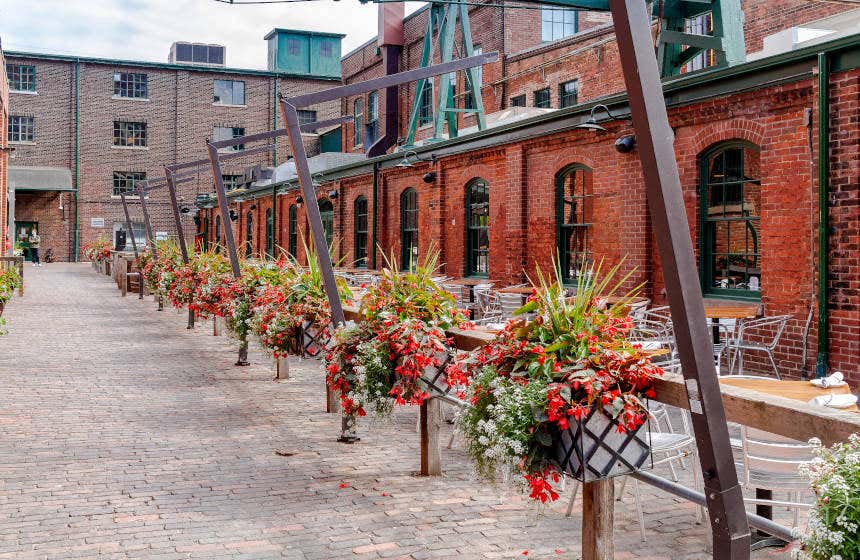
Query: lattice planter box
pixel 592 448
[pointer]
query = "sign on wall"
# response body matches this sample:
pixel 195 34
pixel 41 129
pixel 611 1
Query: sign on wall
pixel 97 222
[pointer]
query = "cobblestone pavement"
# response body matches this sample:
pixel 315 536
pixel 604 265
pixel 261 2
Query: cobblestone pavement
pixel 124 435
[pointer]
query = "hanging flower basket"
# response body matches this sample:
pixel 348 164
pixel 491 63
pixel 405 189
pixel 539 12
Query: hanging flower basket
pixel 594 447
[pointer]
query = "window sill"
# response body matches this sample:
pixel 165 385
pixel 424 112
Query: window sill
pixel 23 92
pixel 124 98
pixel 22 142
pixel 755 296
pixel 229 105
pixel 133 148
pixel 127 197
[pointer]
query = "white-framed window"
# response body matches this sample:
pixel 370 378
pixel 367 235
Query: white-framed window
pixel 228 133
pixel 558 23
pixel 125 182
pixel 131 85
pixel 307 116
pixel 21 129
pixel 358 116
pixel 228 92
pixel 128 134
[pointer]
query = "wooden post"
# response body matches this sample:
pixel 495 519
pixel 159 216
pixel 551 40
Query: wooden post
pixel 598 499
pixel 21 274
pixel 122 273
pixel 282 367
pixel 217 325
pixel 431 422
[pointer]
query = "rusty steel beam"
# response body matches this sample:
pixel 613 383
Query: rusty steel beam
pixel 174 204
pixel 655 139
pixel 128 222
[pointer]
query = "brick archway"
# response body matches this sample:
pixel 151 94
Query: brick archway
pixel 734 129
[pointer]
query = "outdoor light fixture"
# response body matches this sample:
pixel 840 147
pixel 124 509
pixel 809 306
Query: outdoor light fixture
pixel 299 201
pixel 332 194
pixel 234 216
pixel 429 177
pixel 405 163
pixel 185 210
pixel 591 123
pixel 252 207
pixel 625 144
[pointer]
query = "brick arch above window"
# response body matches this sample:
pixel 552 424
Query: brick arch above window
pixel 725 131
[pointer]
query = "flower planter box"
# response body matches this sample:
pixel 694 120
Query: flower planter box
pixel 592 448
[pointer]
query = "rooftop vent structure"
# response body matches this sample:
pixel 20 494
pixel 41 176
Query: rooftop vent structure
pixel 196 54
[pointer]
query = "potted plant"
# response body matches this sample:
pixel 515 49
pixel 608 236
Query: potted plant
pixel 9 282
pixel 397 350
pixel 564 393
pixel 833 528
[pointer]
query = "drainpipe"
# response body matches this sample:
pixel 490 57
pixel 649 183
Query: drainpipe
pixel 77 151
pixel 391 56
pixel 275 126
pixel 823 183
pixel 375 196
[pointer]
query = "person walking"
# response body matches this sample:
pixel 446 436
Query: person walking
pixel 35 241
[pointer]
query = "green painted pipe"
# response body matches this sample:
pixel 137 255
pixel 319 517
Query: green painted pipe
pixel 823 183
pixel 375 213
pixel 77 152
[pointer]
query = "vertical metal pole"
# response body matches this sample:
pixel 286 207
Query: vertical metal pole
pixel 150 238
pixel 228 235
pixel 128 222
pixel 654 137
pixel 179 233
pixel 303 173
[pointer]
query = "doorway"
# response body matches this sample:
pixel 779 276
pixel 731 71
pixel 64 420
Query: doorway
pixel 22 235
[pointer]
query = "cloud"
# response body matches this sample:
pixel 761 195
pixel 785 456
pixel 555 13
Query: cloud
pixel 145 29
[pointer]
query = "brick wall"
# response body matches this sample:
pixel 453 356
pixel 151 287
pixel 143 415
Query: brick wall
pixel 180 116
pixel 523 233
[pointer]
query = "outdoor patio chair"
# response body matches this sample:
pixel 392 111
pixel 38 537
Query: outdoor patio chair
pixel 489 307
pixel 772 462
pixel 509 304
pixel 756 335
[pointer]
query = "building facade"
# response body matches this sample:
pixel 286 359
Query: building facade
pixel 500 203
pixel 84 130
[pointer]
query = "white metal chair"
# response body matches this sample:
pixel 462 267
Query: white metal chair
pixel 772 462
pixel 509 303
pixel 757 335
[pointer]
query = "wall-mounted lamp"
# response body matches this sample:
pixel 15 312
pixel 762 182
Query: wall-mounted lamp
pixel 625 144
pixel 405 163
pixel 299 201
pixel 197 220
pixel 591 122
pixel 184 210
pixel 332 194
pixel 429 177
pixel 252 207
pixel 234 216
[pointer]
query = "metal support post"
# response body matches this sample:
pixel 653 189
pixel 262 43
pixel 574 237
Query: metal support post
pixel 654 137
pixel 183 248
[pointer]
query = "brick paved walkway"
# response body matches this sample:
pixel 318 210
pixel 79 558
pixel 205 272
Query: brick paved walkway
pixel 126 436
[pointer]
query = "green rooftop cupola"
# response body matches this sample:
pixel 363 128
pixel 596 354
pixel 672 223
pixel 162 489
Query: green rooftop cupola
pixel 305 53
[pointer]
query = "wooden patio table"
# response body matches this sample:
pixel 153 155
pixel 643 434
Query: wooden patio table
pixel 790 389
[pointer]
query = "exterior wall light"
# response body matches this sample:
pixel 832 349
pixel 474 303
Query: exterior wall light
pixel 626 144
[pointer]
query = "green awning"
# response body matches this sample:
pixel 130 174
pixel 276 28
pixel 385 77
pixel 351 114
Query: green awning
pixel 40 179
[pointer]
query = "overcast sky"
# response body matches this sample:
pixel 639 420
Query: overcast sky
pixel 145 29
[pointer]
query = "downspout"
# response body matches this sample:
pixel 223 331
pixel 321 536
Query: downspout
pixel 504 57
pixel 275 237
pixel 77 151
pixel 391 57
pixel 823 183
pixel 275 126
pixel 375 196
pixel 813 292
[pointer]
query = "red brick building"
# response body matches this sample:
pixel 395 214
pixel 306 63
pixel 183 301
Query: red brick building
pixel 502 201
pixel 84 129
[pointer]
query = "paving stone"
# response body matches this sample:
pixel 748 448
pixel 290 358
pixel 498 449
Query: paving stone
pixel 127 436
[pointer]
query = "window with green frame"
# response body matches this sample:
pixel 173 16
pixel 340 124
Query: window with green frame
pixel 478 228
pixel 573 191
pixel 360 232
pixel 425 109
pixel 270 234
pixel 327 215
pixel 249 234
pixel 730 201
pixel 293 224
pixel 408 229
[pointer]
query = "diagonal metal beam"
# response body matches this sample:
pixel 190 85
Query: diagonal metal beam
pixel 390 80
pixel 128 222
pixel 655 139
pixel 174 204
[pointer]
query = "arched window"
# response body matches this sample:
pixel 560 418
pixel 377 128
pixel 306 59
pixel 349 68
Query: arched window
pixel 573 190
pixel 218 233
pixel 360 232
pixel 408 229
pixel 358 115
pixel 270 234
pixel 249 234
pixel 730 200
pixel 206 233
pixel 327 215
pixel 293 240
pixel 478 228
